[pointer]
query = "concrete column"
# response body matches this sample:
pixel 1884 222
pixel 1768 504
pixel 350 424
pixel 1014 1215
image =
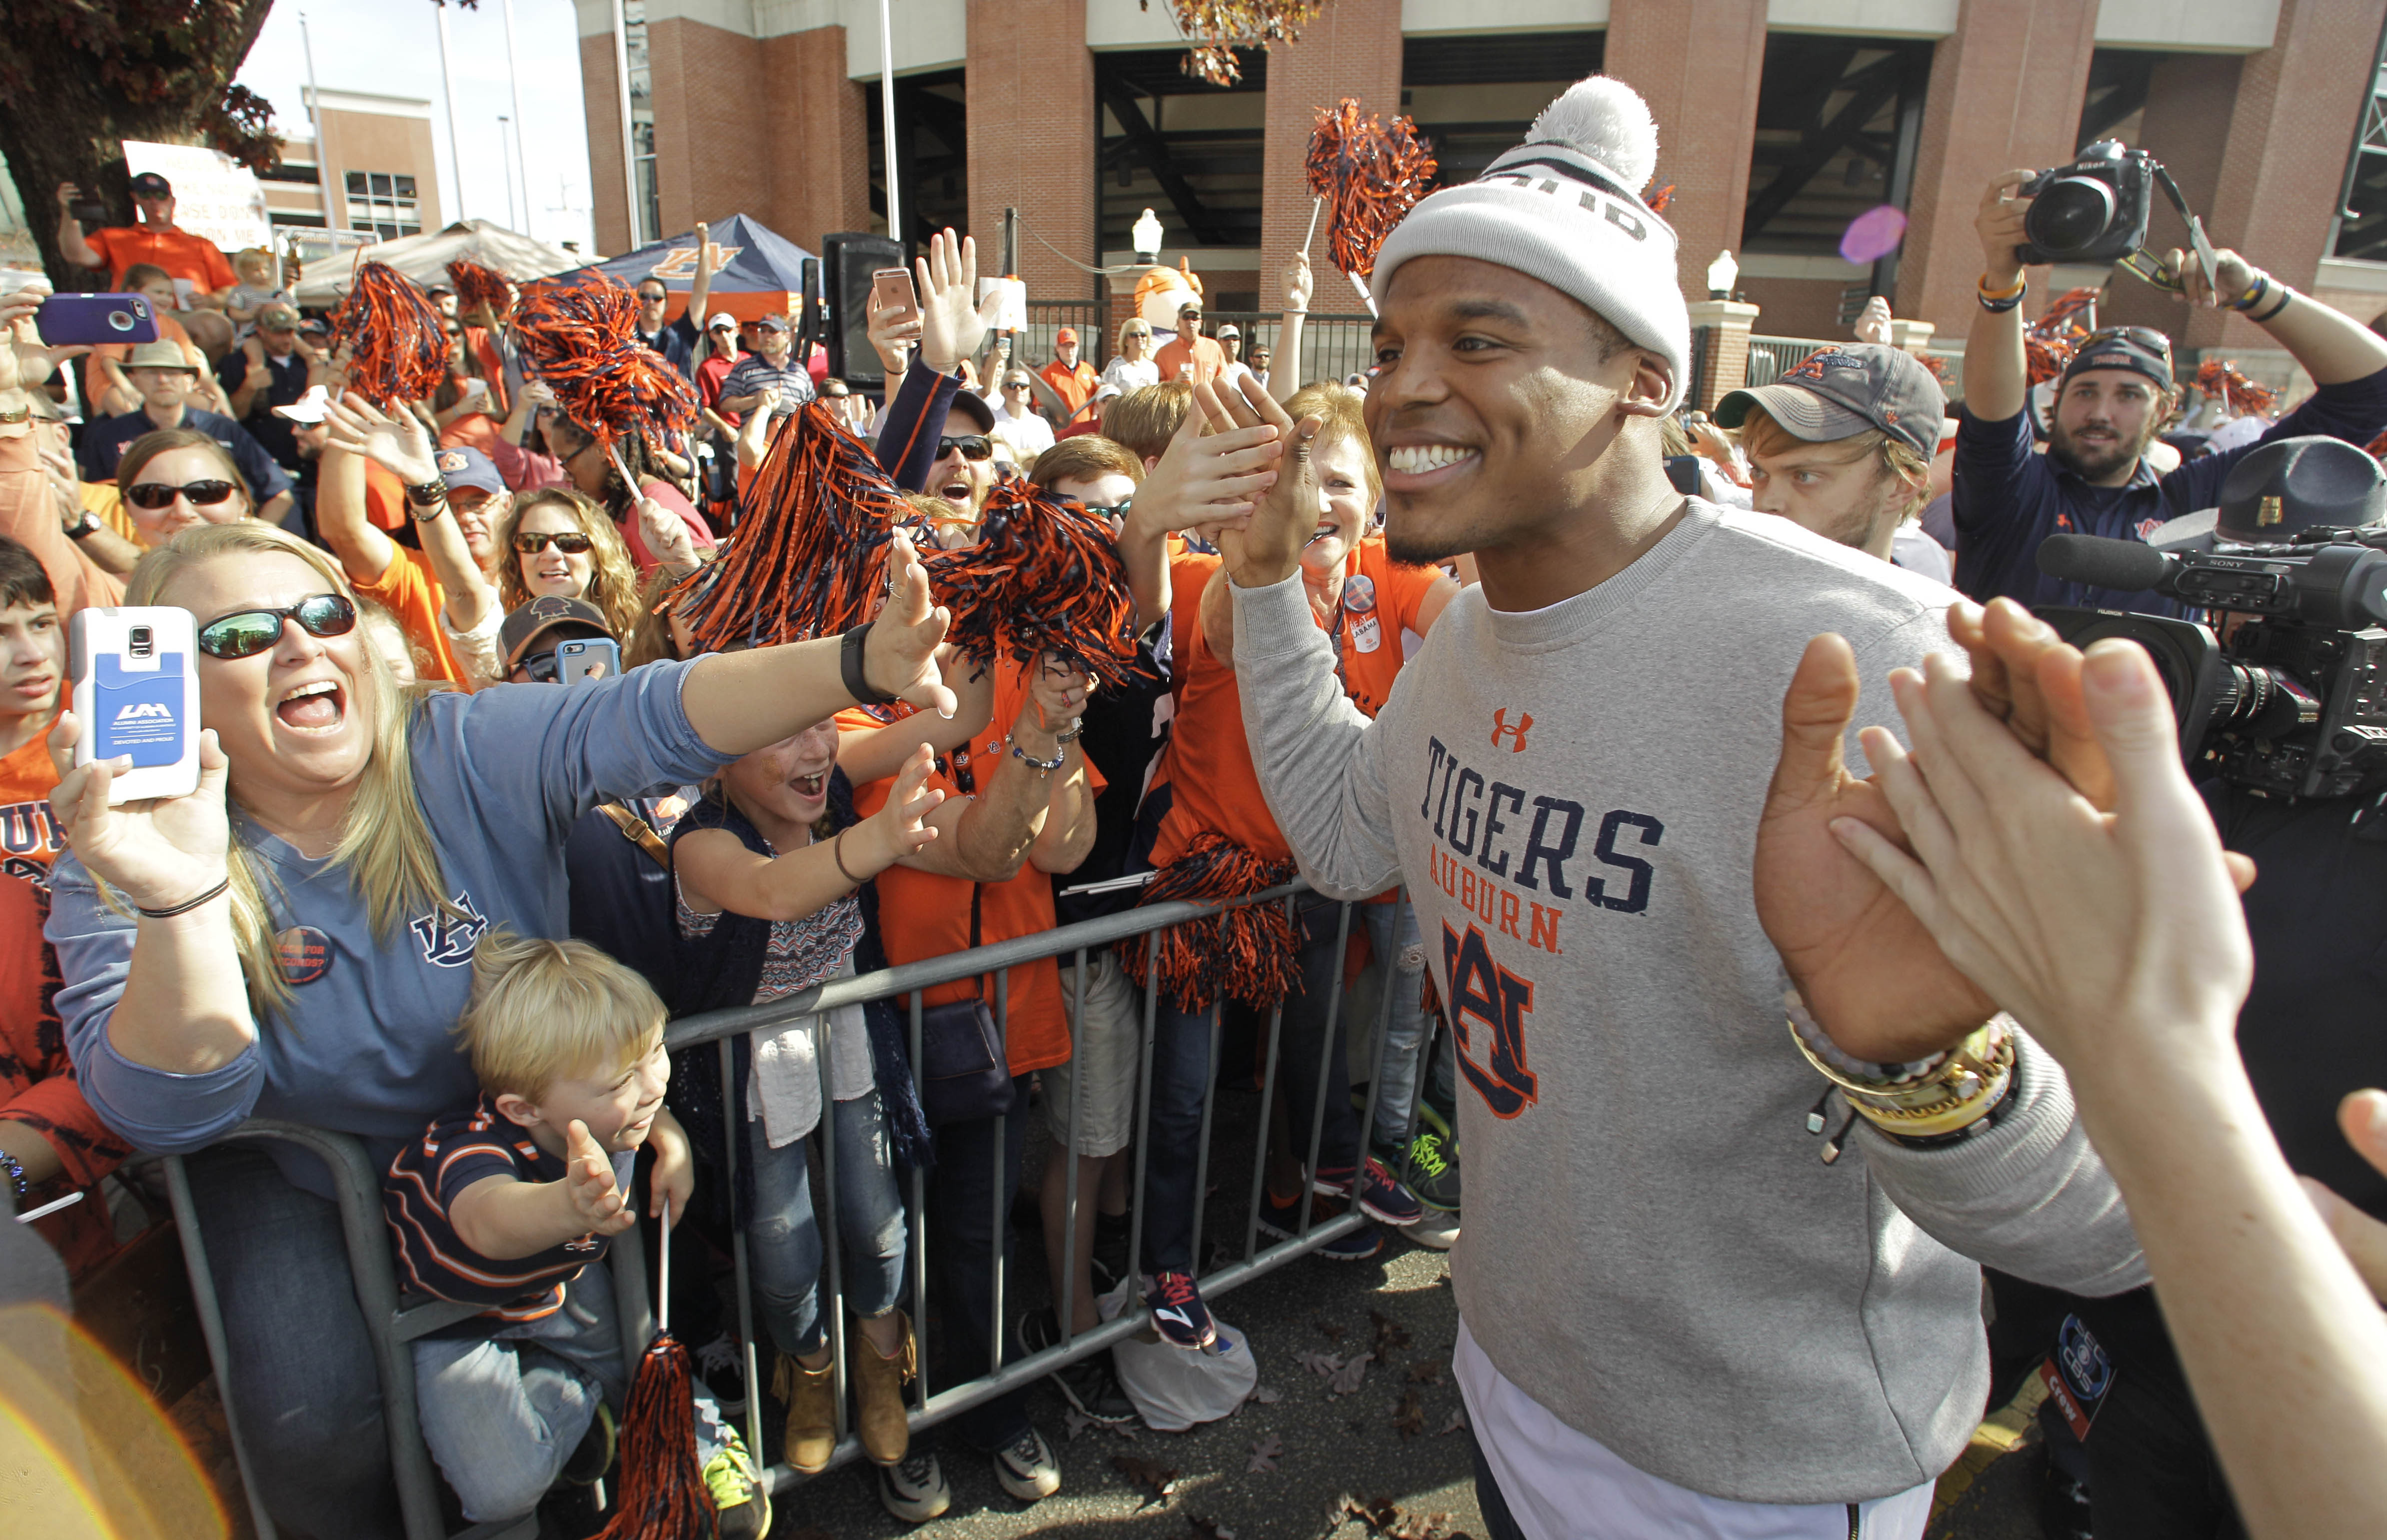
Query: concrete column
pixel 1353 49
pixel 1728 324
pixel 601 93
pixel 1911 336
pixel 2006 91
pixel 1031 95
pixel 707 161
pixel 2293 121
pixel 1697 63
pixel 815 138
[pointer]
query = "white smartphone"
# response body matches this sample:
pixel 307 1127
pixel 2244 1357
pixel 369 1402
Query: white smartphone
pixel 588 658
pixel 136 693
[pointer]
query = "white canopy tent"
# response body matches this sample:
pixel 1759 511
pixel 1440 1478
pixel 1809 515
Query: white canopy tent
pixel 424 259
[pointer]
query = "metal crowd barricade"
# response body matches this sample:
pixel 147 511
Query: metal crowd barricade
pixel 395 1320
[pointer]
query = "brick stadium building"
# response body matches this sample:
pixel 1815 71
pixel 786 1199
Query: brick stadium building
pixel 1779 121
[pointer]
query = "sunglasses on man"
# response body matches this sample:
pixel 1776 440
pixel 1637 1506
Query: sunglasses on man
pixel 246 633
pixel 2141 336
pixel 156 494
pixel 570 542
pixel 975 446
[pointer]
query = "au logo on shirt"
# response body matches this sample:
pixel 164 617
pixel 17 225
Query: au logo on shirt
pixel 447 941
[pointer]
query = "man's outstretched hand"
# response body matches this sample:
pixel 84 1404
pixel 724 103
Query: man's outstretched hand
pixel 1266 548
pixel 1865 964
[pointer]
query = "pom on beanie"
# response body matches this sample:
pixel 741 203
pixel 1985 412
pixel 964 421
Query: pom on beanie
pixel 1605 120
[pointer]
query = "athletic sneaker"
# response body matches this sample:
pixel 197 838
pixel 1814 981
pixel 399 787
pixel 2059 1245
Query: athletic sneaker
pixel 740 1493
pixel 1433 1170
pixel 593 1456
pixel 1090 1384
pixel 1380 1197
pixel 1178 1313
pixel 721 1364
pixel 914 1490
pixel 1437 1231
pixel 1278 1216
pixel 1028 1470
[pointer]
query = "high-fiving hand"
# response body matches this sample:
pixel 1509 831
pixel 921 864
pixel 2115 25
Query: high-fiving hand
pixel 398 444
pixel 954 321
pixel 1265 547
pixel 900 655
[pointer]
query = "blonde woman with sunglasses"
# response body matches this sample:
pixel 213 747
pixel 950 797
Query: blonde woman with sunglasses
pixel 294 939
pixel 558 541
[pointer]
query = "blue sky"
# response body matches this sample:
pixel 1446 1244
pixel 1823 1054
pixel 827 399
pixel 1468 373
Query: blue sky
pixel 391 47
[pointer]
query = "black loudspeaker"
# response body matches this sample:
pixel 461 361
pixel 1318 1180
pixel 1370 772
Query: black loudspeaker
pixel 852 258
pixel 808 308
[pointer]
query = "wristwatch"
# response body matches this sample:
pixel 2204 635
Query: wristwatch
pixel 83 527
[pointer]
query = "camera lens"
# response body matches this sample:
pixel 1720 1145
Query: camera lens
pixel 121 320
pixel 2070 216
pixel 141 641
pixel 2256 701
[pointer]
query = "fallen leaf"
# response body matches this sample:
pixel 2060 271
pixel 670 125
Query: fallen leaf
pixel 1350 1376
pixel 1266 1452
pixel 1387 1520
pixel 1456 1423
pixel 1425 1371
pixel 1409 1417
pixel 1330 1331
pixel 1076 1422
pixel 1267 1396
pixel 1390 1334
pixel 1319 1363
pixel 1209 1528
pixel 1147 1473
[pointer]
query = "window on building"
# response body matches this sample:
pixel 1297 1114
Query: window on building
pixel 2361 228
pixel 383 204
pixel 649 196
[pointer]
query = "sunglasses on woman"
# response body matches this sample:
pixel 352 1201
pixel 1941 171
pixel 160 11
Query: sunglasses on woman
pixel 975 446
pixel 156 494
pixel 570 542
pixel 249 632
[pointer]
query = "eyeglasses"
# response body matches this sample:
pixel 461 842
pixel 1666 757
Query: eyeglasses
pixel 1116 509
pixel 249 632
pixel 975 446
pixel 651 298
pixel 156 494
pixel 540 666
pixel 570 542
pixel 1138 333
pixel 2142 336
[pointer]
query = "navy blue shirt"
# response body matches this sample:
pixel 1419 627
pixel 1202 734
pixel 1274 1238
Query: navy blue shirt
pixel 672 342
pixel 287 382
pixel 105 441
pixel 2008 500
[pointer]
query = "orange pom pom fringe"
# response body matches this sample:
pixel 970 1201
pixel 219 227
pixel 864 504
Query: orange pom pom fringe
pixel 1044 576
pixel 1250 953
pixel 2240 394
pixel 398 351
pixel 581 337
pixel 663 1495
pixel 477 286
pixel 1370 177
pixel 809 555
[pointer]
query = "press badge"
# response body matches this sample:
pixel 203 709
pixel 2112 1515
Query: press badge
pixel 2078 1375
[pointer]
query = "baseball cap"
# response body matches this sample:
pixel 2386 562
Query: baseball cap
pixel 149 184
pixel 772 319
pixel 1107 391
pixel 465 466
pixel 2281 488
pixel 970 404
pixel 315 326
pixel 1229 330
pixel 1067 333
pixel 543 614
pixel 159 355
pixel 2139 349
pixel 721 321
pixel 1840 391
pixel 307 408
pixel 276 318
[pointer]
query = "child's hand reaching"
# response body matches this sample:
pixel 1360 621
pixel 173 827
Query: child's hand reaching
pixel 900 827
pixel 588 1183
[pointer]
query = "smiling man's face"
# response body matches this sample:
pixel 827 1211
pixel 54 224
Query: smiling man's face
pixel 1494 391
pixel 2105 420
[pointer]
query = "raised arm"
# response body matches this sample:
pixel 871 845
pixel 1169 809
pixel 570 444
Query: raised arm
pixel 357 430
pixel 1058 699
pixel 2331 346
pixel 873 754
pixel 717 872
pixel 72 246
pixel 1285 378
pixel 700 292
pixel 1210 472
pixel 1996 377
pixel 987 838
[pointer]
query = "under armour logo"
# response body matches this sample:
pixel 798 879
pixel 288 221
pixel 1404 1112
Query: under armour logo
pixel 1500 726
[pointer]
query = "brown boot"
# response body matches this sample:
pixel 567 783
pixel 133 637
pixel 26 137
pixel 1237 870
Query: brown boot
pixel 878 1389
pixel 811 1398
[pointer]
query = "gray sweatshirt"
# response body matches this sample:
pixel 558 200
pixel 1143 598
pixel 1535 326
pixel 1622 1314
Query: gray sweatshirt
pixel 1653 1249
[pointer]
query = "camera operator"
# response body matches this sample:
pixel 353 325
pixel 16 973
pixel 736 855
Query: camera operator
pixel 2112 401
pixel 2308 1032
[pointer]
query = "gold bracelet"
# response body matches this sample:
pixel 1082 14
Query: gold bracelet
pixel 1928 1098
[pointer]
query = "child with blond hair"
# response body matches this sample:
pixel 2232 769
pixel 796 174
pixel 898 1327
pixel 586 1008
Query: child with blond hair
pixel 510 1204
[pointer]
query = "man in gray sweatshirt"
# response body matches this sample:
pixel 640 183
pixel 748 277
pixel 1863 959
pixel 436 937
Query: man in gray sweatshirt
pixel 1675 1318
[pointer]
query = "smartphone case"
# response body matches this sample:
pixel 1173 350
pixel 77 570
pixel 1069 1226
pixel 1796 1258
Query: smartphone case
pixel 136 694
pixel 573 659
pixel 96 318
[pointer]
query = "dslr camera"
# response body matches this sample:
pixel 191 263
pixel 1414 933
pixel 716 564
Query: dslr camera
pixel 2093 211
pixel 2291 699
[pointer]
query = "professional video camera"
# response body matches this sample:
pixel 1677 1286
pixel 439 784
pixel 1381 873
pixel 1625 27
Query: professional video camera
pixel 2096 208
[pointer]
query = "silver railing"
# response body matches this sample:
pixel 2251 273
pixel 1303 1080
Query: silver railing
pixel 394 1319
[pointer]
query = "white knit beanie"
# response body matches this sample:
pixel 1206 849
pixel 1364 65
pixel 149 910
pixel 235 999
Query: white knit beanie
pixel 1565 207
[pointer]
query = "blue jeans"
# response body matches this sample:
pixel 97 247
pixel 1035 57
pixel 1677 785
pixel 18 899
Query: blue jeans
pixel 969 1224
pixel 502 1412
pixel 786 1237
pixel 1401 954
pixel 1180 1075
pixel 305 1388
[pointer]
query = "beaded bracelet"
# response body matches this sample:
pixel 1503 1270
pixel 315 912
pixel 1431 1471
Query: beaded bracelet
pixel 1059 758
pixel 1958 1092
pixel 16 1174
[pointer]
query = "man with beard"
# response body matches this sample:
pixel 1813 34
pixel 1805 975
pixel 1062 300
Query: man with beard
pixel 2110 403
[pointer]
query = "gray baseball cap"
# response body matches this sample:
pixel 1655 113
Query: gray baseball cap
pixel 1840 391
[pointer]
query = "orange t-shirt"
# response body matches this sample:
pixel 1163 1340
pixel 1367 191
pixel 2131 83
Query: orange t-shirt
pixel 922 915
pixel 1206 357
pixel 384 496
pixel 28 836
pixel 409 590
pixel 1208 763
pixel 1075 386
pixel 187 258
